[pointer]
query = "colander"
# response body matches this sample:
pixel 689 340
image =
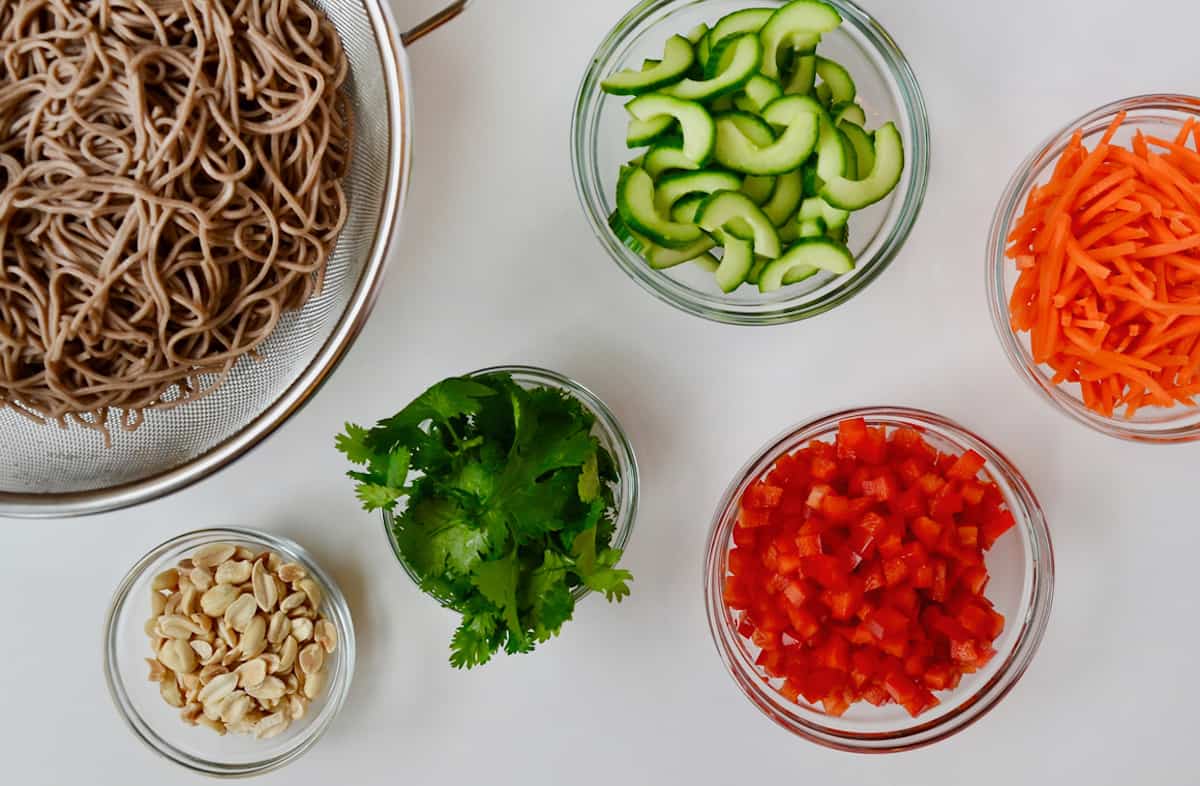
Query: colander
pixel 47 471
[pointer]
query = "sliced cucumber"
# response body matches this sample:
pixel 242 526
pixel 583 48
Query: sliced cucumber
pixel 849 154
pixel 789 191
pixel 726 207
pixel 699 134
pixel 635 203
pixel 812 183
pixel 671 188
pixel 798 20
pixel 748 20
pixel 803 76
pixel 811 227
pixel 722 104
pixel 678 56
pixel 883 177
pixel 648 132
pixel 657 256
pixel 664 158
pixel 757 93
pixel 796 114
pixel 824 94
pixel 807 254
pixel 841 85
pixel 735 264
pixel 703 50
pixel 745 56
pixel 864 148
pixel 697 33
pixel 831 156
pixel 798 274
pixel 685 209
pixel 753 127
pixel 848 111
pixel 756 270
pixel 760 188
pixel 707 262
pixel 789 232
pixel 815 207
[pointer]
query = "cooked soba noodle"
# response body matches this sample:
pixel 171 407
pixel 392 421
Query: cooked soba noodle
pixel 170 185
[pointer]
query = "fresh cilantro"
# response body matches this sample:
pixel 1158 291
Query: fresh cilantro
pixel 502 504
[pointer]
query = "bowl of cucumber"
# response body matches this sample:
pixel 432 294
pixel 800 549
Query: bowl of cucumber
pixel 750 164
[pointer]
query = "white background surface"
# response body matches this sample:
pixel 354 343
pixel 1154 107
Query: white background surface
pixel 496 263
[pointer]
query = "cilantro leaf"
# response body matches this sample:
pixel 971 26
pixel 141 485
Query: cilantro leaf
pixel 475 640
pixel 589 480
pixel 599 571
pixel 443 403
pixel 353 442
pixel 435 536
pixel 547 597
pixel 497 581
pixel 377 497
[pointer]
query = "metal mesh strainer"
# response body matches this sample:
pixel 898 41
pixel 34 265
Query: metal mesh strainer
pixel 47 471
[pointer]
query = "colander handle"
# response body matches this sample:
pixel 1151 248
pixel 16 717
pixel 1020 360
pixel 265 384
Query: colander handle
pixel 434 22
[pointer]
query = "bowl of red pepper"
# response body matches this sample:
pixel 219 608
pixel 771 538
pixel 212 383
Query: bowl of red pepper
pixel 878 579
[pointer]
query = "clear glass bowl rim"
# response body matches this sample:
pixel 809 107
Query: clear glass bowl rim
pixel 623 454
pixel 1029 515
pixel 1010 205
pixel 337 690
pixel 587 104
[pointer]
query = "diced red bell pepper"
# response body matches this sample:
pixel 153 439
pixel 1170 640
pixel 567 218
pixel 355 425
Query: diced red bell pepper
pixel 836 508
pixel 887 622
pixel 824 569
pixel 966 467
pixel 974 579
pixel 852 435
pixel 744 536
pixel 996 524
pixel 895 570
pixel 876 695
pixel 908 503
pixel 930 484
pixel 968 536
pixel 926 530
pixel 843 604
pixel 874 449
pixel 976 620
pixel 808 545
pixel 804 624
pixel 767 640
pixel 824 468
pixel 885 487
pixel 972 492
pixel 946 502
pixel 817 494
pixel 762 495
pixel 736 595
pixel 799 592
pixel 754 517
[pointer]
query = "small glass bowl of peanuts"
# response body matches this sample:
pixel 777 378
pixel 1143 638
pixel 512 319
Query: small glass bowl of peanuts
pixel 228 651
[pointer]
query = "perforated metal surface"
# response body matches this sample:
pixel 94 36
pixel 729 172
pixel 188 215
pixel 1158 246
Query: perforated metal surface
pixel 45 470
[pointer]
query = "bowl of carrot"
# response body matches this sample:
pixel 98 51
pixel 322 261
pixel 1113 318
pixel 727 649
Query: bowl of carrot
pixel 1094 269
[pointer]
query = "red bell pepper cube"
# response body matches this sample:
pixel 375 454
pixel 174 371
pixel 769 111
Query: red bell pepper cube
pixel 966 467
pixel 947 502
pixel 824 569
pixel 824 468
pixel 753 517
pixel 887 622
pixel 762 495
pixel 994 525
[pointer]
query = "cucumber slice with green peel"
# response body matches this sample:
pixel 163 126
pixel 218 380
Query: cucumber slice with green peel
pixel 795 114
pixel 664 158
pixel 757 93
pixel 671 188
pixel 725 208
pixel 812 183
pixel 803 77
pixel 789 232
pixel 657 256
pixel 684 211
pixel 745 56
pixel 864 148
pixel 735 264
pixel 635 203
pixel 848 194
pixel 748 20
pixel 722 104
pixel 760 188
pixel 697 33
pixel 812 227
pixel 707 262
pixel 699 133
pixel 849 154
pixel 647 132
pixel 678 57
pixel 808 253
pixel 831 155
pixel 757 130
pixel 800 19
pixel 815 207
pixel 841 85
pixel 848 111
pixel 760 263
pixel 824 94
pixel 703 50
pixel 789 191
pixel 798 274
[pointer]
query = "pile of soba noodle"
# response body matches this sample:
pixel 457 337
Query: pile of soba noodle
pixel 170 185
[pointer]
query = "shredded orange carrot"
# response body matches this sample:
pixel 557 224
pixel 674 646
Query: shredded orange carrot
pixel 1108 251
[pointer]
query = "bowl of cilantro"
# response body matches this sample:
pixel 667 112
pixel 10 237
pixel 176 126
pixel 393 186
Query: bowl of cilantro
pixel 508 495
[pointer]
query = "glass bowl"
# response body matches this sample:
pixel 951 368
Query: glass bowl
pixel 1156 114
pixel 157 724
pixel 607 429
pixel 1021 587
pixel 887 89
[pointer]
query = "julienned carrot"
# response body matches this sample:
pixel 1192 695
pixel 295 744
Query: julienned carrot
pixel 1108 252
